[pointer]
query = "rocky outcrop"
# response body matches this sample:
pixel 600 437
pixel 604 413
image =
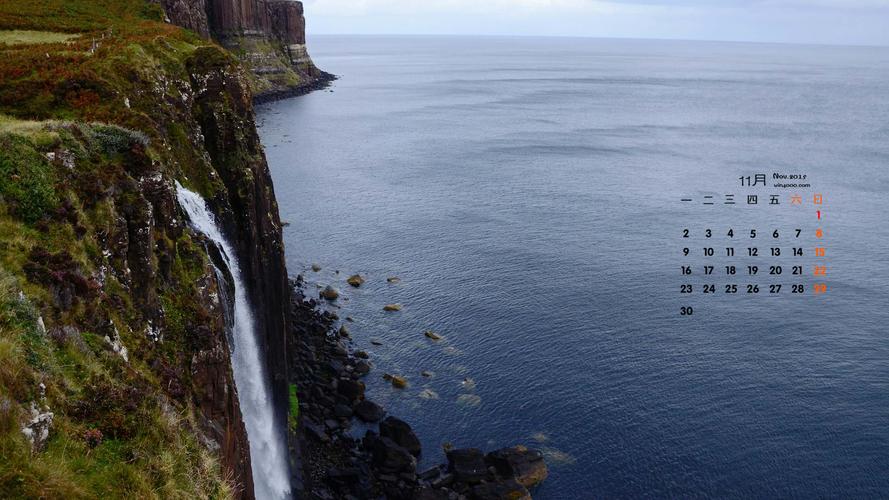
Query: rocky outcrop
pixel 269 36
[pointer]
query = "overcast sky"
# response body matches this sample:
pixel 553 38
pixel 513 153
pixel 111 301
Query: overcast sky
pixel 800 21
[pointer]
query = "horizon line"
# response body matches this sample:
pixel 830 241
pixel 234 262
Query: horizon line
pixel 592 37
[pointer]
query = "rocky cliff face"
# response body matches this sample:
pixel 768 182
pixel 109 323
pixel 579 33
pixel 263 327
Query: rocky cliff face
pixel 267 35
pixel 115 372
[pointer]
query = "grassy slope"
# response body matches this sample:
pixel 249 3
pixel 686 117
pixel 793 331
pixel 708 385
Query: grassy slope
pixel 52 219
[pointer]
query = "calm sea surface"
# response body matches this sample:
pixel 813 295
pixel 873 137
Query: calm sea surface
pixel 526 191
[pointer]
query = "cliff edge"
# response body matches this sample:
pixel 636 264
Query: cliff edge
pixel 268 36
pixel 115 372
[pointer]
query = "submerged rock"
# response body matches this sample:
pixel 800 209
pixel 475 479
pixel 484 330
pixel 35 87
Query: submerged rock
pixel 316 267
pixel 428 394
pixel 469 400
pixel 329 293
pixel 397 381
pixel 432 335
pixel 355 280
pixel 393 307
pixel 393 279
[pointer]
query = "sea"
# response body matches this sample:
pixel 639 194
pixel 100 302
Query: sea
pixel 527 194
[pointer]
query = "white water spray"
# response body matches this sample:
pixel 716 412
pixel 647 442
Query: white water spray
pixel 270 476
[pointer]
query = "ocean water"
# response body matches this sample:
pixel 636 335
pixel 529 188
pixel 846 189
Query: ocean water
pixel 527 193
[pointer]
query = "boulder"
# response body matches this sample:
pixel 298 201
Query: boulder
pixel 342 411
pixel 397 381
pixel 368 411
pixel 350 389
pixel 432 335
pixel 316 267
pixel 393 279
pixel 329 293
pixel 504 489
pixel 355 280
pixel 400 432
pixel 390 457
pixel 468 465
pixel 431 494
pixel 393 307
pixel 527 466
pixel 344 331
pixel 361 368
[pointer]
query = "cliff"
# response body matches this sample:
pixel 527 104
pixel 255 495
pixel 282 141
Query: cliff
pixel 115 372
pixel 268 36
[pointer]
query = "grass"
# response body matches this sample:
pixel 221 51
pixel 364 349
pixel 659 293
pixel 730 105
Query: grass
pixel 49 241
pixel 293 413
pixel 30 37
pixel 120 109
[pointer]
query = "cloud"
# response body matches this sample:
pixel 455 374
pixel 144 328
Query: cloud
pixel 799 21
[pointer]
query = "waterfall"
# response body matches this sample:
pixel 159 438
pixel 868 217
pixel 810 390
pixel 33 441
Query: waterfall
pixel 267 451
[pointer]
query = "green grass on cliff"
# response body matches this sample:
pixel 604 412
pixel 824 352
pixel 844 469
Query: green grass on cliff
pixel 145 448
pixel 28 37
pixel 82 119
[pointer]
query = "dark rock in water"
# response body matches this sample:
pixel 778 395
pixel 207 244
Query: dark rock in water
pixel 361 368
pixel 329 293
pixel 399 431
pixel 504 489
pixel 527 466
pixel 316 267
pixel 361 354
pixel 355 280
pixel 351 389
pixel 468 465
pixel 393 279
pixel 344 331
pixel 432 335
pixel 388 456
pixel 397 381
pixel 342 411
pixel 369 411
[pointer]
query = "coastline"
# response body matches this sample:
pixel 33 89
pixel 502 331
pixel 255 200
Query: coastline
pixel 328 462
pixel 321 82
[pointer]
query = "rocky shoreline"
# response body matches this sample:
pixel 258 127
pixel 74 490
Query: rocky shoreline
pixel 329 463
pixel 320 82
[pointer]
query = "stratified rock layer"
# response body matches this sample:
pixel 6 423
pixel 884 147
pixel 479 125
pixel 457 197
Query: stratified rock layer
pixel 269 36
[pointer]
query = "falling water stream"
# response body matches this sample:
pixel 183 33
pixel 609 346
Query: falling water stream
pixel 267 455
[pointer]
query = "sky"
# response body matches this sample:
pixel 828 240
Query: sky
pixel 840 22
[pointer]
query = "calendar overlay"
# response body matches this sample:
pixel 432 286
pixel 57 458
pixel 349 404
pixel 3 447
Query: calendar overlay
pixel 757 261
